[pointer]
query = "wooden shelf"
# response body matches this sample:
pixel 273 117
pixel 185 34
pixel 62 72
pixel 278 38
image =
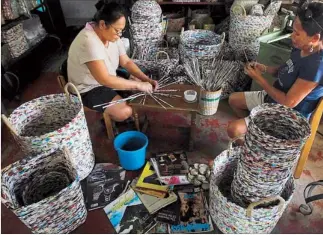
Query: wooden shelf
pixel 27 52
pixel 192 3
pixel 10 23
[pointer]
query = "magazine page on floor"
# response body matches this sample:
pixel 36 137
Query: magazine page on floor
pixel 127 214
pixel 194 217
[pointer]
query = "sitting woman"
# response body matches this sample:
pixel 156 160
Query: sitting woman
pixel 300 79
pixel 94 57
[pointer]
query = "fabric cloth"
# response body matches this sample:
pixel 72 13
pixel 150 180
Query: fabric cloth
pixel 253 99
pixel 87 47
pixel 96 96
pixel 309 68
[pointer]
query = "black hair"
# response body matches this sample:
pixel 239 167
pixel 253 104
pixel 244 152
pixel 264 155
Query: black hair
pixel 311 17
pixel 108 12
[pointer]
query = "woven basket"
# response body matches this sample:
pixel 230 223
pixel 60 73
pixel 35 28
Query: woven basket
pixel 9 9
pixel 200 44
pixel 44 192
pixel 232 218
pixel 238 83
pixel 245 29
pixel 147 28
pixel 209 102
pixel 43 123
pixel 276 135
pixel 146 38
pixel 144 11
pixel 247 4
pixel 156 69
pixel 16 40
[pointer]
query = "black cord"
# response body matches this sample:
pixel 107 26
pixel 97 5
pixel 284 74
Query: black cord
pixel 319 133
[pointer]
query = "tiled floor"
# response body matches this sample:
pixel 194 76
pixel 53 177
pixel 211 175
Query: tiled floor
pixel 210 140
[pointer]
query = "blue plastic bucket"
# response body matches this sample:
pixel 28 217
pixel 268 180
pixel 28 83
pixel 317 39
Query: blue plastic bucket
pixel 131 148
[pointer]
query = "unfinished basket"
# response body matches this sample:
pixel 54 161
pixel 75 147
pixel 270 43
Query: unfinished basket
pixel 44 192
pixel 259 217
pixel 43 123
pixel 276 135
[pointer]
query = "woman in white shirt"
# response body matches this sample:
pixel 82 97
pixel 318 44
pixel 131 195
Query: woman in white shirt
pixel 94 57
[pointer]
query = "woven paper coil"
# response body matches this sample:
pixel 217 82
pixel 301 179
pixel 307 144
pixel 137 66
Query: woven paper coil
pixel 275 137
pixel 200 44
pixel 232 218
pixel 52 207
pixel 245 29
pixel 146 29
pixel 146 9
pixel 51 120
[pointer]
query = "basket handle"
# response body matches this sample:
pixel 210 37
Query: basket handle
pixel 234 140
pixel 222 37
pixel 182 30
pixel 8 124
pixel 166 26
pixel 166 43
pixel 234 9
pixel 266 200
pixel 162 52
pixel 67 93
pixel 129 20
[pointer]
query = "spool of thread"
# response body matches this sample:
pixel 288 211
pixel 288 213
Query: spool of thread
pixel 190 96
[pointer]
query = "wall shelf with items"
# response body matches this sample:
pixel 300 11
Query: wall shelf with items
pixel 214 8
pixel 27 38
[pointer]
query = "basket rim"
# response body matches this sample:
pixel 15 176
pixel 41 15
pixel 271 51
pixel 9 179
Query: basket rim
pixel 61 95
pixel 232 204
pixel 300 117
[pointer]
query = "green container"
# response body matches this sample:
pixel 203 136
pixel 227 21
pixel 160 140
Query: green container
pixel 272 54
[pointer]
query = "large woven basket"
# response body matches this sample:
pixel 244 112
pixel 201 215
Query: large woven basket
pixel 245 29
pixel 276 135
pixel 146 10
pixel 260 217
pixel 44 192
pixel 200 44
pixel 43 123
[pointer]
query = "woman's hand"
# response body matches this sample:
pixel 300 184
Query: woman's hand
pixel 260 67
pixel 252 71
pixel 145 87
pixel 154 83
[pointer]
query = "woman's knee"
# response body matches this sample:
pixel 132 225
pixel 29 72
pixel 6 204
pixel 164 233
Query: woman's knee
pixel 121 114
pixel 237 128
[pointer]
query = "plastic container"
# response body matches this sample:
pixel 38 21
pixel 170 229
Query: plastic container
pixel 131 148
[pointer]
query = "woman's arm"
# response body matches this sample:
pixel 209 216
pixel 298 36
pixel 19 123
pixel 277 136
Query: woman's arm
pixel 300 89
pixel 133 69
pixel 272 70
pixel 99 71
pixel 266 69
